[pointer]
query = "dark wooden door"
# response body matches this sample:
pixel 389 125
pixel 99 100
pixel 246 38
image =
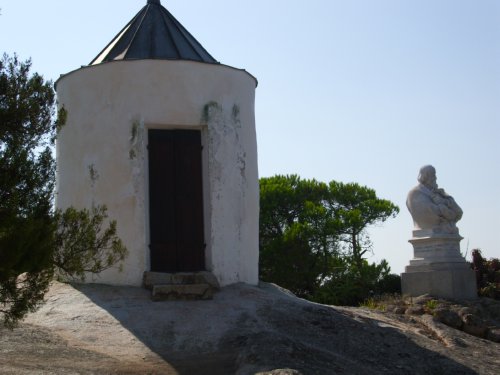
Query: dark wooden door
pixel 176 201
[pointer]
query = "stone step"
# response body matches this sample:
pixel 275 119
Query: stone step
pixel 182 292
pixel 150 279
pixel 181 286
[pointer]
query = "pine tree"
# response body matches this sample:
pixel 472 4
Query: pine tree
pixel 313 238
pixel 33 236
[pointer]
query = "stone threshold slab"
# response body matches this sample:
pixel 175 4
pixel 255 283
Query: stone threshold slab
pixel 177 292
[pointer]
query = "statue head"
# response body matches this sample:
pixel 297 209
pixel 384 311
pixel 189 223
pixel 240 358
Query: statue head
pixel 433 211
pixel 427 176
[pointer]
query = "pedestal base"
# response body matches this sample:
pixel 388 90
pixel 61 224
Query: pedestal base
pixel 438 268
pixel 454 283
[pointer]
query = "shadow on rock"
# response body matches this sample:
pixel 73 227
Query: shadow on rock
pixel 247 330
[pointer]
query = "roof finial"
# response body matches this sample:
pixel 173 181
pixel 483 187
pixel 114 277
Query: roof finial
pixel 154 2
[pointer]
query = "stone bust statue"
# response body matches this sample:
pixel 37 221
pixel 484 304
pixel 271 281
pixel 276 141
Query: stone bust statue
pixel 433 211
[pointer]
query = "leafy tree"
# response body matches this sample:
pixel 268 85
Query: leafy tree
pixel 351 283
pixel 357 207
pixel 82 246
pixel 313 237
pixel 298 235
pixel 26 185
pixel 290 261
pixel 37 242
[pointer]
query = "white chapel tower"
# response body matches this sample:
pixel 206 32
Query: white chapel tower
pixel 164 136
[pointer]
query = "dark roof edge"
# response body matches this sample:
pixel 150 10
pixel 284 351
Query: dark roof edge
pixel 115 37
pixel 117 50
pixel 125 61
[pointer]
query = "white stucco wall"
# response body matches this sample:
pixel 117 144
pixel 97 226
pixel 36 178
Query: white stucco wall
pixel 110 107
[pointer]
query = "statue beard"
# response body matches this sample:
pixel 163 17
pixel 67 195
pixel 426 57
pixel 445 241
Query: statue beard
pixel 431 185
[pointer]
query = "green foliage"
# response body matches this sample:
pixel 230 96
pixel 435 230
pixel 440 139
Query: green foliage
pixel 487 275
pixel 384 302
pixel 370 303
pixel 350 284
pixel 81 246
pixel 390 283
pixel 298 234
pixel 208 110
pixel 62 116
pixel 491 290
pixel 373 304
pixel 26 186
pixel 313 239
pixel 22 294
pixel 357 207
pixel 35 240
pixel 289 260
pixel 431 305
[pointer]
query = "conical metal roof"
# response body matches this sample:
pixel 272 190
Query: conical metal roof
pixel 154 33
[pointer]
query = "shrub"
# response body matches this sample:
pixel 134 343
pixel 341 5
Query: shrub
pixel 487 275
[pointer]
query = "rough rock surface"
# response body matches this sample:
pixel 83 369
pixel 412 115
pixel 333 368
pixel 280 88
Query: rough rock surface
pixel 97 329
pixel 479 317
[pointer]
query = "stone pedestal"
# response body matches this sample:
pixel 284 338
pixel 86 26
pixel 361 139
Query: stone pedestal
pixel 438 268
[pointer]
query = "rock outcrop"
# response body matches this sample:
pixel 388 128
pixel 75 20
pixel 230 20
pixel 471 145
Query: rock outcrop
pixel 97 329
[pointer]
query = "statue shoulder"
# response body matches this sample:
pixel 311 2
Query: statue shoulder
pixel 416 192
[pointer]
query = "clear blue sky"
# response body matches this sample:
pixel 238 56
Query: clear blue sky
pixel 353 90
